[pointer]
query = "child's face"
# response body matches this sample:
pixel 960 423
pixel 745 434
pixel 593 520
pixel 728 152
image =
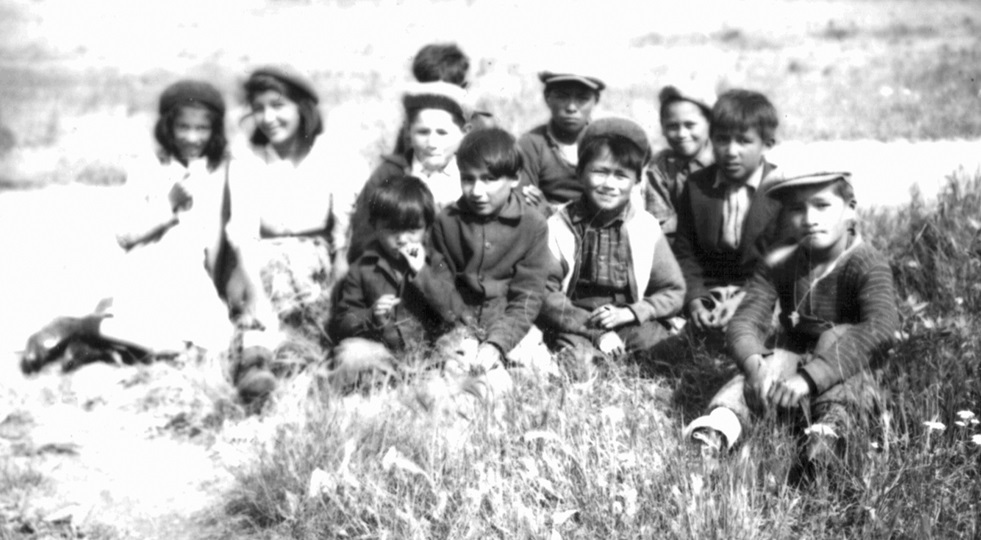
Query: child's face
pixel 485 193
pixel 608 184
pixel 277 116
pixel 685 127
pixel 571 106
pixel 818 217
pixel 434 138
pixel 393 240
pixel 192 131
pixel 739 153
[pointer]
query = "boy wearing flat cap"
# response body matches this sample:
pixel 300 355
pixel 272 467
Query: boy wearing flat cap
pixel 619 278
pixel 550 150
pixel 837 315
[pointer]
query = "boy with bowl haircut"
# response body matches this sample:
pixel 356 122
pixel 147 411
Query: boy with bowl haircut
pixel 495 244
pixel 685 120
pixel 396 294
pixel 725 220
pixel 550 150
pixel 837 315
pixel 618 273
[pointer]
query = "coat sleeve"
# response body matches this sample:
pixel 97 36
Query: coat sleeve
pixel 665 292
pixel 435 282
pixel 686 249
pixel 525 291
pixel 874 333
pixel 750 326
pixel 529 174
pixel 558 313
pixel 352 314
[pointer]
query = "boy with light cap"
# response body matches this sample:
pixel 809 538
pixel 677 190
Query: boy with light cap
pixel 619 278
pixel 686 114
pixel 837 315
pixel 551 150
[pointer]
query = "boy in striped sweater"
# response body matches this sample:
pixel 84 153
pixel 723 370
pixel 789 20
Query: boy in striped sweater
pixel 837 314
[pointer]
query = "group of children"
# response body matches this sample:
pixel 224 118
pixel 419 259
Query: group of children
pixel 578 228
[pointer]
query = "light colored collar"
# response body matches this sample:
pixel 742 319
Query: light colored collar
pixel 451 170
pixel 754 181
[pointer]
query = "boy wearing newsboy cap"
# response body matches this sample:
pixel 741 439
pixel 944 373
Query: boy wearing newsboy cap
pixel 837 315
pixel 551 150
pixel 619 278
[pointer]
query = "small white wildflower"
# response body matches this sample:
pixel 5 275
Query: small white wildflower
pixel 960 423
pixel 821 429
pixel 965 415
pixel 960 302
pixel 934 426
pixel 976 439
pixel 886 91
pixel 874 445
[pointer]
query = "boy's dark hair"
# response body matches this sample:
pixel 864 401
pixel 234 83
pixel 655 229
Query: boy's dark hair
pixel 739 110
pixel 215 149
pixel 492 148
pixel 441 62
pixel 311 123
pixel 623 151
pixel 402 203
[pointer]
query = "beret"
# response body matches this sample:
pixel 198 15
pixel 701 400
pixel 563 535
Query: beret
pixel 289 76
pixel 188 91
pixel 703 97
pixel 428 94
pixel 607 127
pixel 780 183
pixel 549 77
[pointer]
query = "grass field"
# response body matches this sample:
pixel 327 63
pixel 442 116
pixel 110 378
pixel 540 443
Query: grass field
pixel 560 457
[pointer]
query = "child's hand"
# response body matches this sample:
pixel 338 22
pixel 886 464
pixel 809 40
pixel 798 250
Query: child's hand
pixel 609 317
pixel 701 317
pixel 383 307
pixel 180 197
pixel 761 375
pixel 611 343
pixel 787 393
pixel 533 195
pixel 415 256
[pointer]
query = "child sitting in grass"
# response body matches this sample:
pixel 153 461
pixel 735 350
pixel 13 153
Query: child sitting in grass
pixel 725 220
pixel 397 294
pixel 550 150
pixel 837 313
pixel 618 273
pixel 495 244
pixel 435 122
pixel 685 120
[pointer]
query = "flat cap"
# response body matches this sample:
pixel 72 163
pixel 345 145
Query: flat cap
pixel 549 77
pixel 609 127
pixel 704 97
pixel 780 183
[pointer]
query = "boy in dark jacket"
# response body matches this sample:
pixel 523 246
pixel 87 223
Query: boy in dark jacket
pixel 396 294
pixel 495 244
pixel 837 314
pixel 726 223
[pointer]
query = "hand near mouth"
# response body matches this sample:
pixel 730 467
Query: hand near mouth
pixel 415 255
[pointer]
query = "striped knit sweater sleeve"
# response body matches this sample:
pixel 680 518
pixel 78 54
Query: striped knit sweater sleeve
pixel 750 325
pixel 860 292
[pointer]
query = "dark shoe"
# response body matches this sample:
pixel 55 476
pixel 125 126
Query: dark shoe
pixel 49 343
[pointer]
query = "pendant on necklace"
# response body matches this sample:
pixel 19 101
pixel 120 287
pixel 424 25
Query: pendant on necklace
pixel 794 319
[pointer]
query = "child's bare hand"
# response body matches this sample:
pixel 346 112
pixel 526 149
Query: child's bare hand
pixel 180 197
pixel 611 343
pixel 701 317
pixel 415 255
pixel 533 195
pixel 761 375
pixel 383 307
pixel 787 393
pixel 609 317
